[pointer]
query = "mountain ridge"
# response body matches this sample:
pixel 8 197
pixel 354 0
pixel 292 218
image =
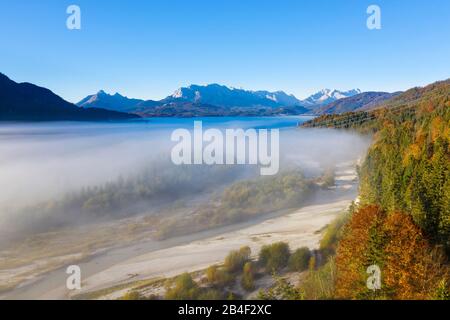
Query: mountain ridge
pixel 364 101
pixel 230 101
pixel 116 102
pixel 26 101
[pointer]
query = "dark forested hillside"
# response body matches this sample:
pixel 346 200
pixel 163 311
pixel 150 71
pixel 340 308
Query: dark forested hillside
pixel 27 102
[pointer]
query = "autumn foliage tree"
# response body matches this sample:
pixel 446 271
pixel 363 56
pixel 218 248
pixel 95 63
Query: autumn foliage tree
pixel 411 268
pixel 353 254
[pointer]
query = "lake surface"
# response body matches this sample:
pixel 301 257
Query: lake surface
pixel 11 130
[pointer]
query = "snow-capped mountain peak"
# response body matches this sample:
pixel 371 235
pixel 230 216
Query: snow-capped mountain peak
pixel 326 96
pixel 221 95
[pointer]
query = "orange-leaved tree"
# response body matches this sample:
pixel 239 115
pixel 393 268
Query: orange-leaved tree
pixel 353 255
pixel 411 268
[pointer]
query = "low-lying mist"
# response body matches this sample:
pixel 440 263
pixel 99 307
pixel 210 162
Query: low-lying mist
pixel 54 175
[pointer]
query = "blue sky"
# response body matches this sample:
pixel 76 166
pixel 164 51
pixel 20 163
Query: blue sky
pixel 147 49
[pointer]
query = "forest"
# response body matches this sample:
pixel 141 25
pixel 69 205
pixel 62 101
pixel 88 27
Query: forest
pixel 402 223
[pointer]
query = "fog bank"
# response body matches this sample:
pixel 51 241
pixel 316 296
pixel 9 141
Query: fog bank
pixel 46 162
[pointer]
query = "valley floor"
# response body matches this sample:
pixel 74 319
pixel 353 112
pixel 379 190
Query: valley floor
pixel 167 258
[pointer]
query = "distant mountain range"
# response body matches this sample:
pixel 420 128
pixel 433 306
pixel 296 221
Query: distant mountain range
pixel 28 102
pixel 224 96
pixel 216 100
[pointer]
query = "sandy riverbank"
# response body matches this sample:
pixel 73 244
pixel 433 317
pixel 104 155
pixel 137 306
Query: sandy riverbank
pixel 195 252
pixel 298 229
